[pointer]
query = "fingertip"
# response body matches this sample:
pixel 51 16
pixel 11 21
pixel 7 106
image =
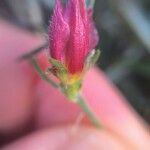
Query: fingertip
pixel 17 78
pixel 113 110
pixel 67 139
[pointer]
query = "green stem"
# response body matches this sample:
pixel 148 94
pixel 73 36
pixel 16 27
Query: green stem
pixel 42 74
pixel 79 98
pixel 88 112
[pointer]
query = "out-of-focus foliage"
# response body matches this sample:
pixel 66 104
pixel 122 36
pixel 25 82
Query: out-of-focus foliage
pixel 124 28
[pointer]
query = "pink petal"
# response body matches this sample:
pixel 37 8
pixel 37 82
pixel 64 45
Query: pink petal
pixel 58 33
pixel 78 42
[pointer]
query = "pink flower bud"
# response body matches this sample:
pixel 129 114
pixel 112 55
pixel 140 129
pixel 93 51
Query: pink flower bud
pixel 72 34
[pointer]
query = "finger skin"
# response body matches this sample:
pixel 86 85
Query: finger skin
pixel 113 110
pixel 104 99
pixel 66 138
pixel 16 78
pixel 53 107
pixel 115 114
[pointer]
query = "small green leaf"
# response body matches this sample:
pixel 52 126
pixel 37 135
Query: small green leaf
pixel 56 63
pixel 92 58
pixel 59 66
pixel 49 70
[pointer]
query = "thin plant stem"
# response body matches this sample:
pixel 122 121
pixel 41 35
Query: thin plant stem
pixel 79 98
pixel 87 110
pixel 42 74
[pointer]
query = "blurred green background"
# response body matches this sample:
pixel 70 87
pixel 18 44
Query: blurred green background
pixel 124 29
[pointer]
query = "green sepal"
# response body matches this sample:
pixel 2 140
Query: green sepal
pixel 92 58
pixel 58 69
pixel 58 65
pixel 70 89
pixel 49 70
